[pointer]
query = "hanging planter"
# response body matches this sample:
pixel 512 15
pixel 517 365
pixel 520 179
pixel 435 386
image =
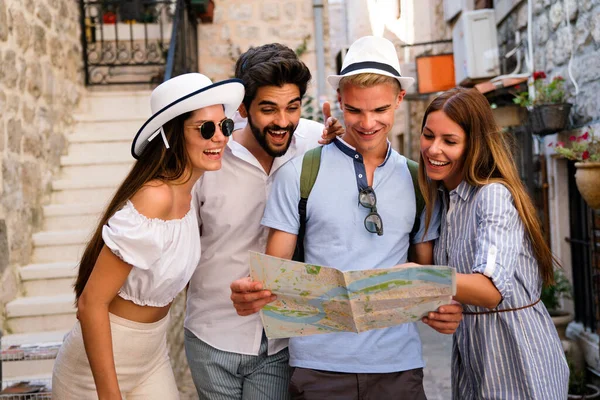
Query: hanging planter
pixel 546 119
pixel 585 150
pixel 587 179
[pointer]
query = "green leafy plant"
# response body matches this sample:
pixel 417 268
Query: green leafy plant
pixel 577 382
pixel 583 148
pixel 546 92
pixel 552 296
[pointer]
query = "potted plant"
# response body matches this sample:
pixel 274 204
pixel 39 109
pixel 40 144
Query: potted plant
pixel 552 297
pixel 585 149
pixel 579 389
pixel 548 110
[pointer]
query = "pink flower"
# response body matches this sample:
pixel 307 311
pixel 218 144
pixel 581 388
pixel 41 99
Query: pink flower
pixel 539 75
pixel 585 136
pixel 572 138
pixel 558 78
pixel 551 144
pixel 560 144
pixel 585 155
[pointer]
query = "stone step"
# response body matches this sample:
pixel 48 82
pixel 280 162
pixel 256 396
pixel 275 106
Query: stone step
pixel 96 158
pixel 32 367
pixel 118 171
pixel 56 246
pixel 41 313
pixel 48 279
pixel 99 127
pixel 116 104
pixel 59 217
pixel 84 191
pixel 116 148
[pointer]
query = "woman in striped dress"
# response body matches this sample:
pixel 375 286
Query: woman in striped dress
pixel 506 346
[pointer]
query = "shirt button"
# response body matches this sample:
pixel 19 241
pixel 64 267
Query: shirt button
pixel 360 175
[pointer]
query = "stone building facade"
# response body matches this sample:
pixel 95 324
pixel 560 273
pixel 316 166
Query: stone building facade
pixel 239 24
pixel 554 41
pixel 40 86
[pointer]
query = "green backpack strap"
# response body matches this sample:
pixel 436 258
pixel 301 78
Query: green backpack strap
pixel 310 169
pixel 308 176
pixel 413 167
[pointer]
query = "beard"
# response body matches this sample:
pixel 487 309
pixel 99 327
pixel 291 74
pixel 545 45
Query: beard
pixel 261 137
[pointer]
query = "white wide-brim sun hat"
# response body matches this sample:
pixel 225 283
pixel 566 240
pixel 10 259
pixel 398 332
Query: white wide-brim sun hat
pixel 182 94
pixel 371 54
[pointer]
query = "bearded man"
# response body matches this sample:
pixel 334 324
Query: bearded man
pixel 229 355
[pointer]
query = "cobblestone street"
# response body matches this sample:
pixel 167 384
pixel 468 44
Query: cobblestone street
pixel 436 351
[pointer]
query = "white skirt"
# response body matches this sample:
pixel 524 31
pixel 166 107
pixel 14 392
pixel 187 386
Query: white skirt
pixel 141 361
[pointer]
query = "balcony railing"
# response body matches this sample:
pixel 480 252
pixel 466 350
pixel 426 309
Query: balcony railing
pixel 128 41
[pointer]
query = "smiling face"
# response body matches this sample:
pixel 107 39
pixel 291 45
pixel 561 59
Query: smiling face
pixel 205 154
pixel 273 117
pixel 369 115
pixel 443 148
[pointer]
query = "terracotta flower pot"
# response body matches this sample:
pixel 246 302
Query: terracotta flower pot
pixel 587 178
pixel 561 320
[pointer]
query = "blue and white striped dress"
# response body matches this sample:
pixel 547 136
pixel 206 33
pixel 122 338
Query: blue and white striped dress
pixel 508 355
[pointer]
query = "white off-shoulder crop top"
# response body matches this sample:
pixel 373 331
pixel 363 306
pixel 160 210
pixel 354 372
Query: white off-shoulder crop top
pixel 164 254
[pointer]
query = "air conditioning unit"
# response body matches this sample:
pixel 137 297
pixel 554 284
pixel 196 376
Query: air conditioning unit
pixel 453 7
pixel 475 46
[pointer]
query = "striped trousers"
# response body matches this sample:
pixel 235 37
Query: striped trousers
pixel 221 375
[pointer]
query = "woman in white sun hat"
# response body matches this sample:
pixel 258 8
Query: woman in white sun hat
pixel 145 248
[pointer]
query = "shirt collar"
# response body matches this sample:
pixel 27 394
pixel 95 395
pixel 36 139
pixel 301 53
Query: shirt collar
pixel 463 190
pixel 355 155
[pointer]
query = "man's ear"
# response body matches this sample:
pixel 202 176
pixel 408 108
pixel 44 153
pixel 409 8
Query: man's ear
pixel 242 110
pixel 401 95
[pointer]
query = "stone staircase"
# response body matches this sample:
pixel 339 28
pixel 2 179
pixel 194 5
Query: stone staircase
pixel 98 159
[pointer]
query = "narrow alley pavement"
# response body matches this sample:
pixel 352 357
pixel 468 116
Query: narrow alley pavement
pixel 436 351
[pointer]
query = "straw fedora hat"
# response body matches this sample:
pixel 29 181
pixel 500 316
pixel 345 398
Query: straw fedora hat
pixel 371 54
pixel 181 94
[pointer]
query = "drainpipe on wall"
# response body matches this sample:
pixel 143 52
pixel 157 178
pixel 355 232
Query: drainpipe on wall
pixel 320 50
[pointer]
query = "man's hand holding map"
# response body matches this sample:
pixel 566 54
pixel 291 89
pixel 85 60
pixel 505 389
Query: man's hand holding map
pixel 314 299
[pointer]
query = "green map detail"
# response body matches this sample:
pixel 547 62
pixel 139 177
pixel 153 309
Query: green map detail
pixel 443 274
pixel 384 286
pixel 288 313
pixel 304 293
pixel 313 269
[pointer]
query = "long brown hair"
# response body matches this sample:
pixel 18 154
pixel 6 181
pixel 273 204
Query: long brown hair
pixel 155 163
pixel 488 160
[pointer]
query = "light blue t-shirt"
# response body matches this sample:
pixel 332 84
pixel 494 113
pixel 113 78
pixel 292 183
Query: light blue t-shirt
pixel 336 237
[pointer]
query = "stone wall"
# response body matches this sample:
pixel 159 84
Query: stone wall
pixel 40 85
pixel 240 24
pixel 553 43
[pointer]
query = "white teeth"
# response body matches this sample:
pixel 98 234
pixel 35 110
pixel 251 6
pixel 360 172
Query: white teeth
pixel 214 151
pixel 280 133
pixel 438 163
pixel 368 133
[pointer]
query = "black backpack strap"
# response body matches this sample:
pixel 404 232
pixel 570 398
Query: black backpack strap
pixel 308 176
pixel 413 167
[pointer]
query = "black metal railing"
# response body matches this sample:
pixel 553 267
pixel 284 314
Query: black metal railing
pixel 128 41
pixel 183 49
pixel 585 252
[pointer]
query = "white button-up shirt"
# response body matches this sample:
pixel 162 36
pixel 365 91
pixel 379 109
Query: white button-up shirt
pixel 230 204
